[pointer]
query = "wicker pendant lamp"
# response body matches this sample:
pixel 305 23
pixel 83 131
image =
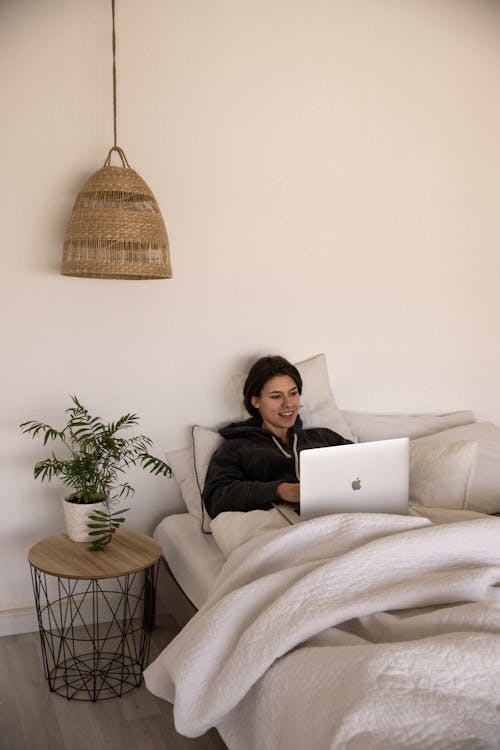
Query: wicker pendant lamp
pixel 116 230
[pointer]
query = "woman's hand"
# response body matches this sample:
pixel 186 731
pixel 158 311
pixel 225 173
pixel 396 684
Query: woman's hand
pixel 289 492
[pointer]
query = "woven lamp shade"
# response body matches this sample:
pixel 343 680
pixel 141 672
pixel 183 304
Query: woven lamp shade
pixel 116 230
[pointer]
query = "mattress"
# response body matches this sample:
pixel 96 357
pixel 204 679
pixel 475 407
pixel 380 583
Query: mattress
pixel 192 556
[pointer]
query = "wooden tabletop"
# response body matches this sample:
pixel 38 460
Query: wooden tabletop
pixel 128 552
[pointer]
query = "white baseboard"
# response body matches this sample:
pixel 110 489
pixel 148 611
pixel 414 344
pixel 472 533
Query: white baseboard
pixel 18 620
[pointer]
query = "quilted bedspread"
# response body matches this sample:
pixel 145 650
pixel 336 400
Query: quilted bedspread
pixel 351 631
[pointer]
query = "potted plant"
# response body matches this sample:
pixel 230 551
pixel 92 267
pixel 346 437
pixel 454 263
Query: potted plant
pixel 97 455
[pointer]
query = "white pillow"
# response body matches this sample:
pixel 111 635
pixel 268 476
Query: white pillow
pixel 441 474
pixel 484 495
pixel 318 406
pixel 384 426
pixel 190 466
pixel 182 464
pixel 205 443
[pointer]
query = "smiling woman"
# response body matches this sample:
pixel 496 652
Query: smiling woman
pixel 278 404
pixel 258 463
pixel 272 390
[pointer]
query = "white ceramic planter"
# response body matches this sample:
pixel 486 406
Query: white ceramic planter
pixel 77 516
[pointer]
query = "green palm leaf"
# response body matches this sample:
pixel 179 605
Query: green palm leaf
pixel 94 459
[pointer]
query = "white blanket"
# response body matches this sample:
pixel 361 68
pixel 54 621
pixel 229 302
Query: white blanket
pixel 358 632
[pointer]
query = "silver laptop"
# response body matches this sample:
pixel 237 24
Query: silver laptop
pixel 359 478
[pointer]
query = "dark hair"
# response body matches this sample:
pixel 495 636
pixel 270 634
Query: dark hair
pixel 263 370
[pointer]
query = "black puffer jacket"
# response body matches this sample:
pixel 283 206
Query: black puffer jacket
pixel 245 471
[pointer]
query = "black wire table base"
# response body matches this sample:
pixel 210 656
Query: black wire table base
pixel 95 634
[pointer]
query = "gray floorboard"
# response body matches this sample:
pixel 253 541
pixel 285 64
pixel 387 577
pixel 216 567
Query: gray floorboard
pixel 33 718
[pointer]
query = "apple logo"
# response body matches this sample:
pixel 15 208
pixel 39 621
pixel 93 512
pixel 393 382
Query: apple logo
pixel 356 484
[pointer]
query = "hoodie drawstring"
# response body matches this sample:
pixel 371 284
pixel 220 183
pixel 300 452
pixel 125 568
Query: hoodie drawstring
pixel 295 453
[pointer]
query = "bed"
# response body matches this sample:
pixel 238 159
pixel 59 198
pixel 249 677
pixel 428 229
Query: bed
pixel 357 631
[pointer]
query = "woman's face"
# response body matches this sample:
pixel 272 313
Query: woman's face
pixel 278 404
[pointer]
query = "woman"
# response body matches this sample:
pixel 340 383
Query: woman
pixel 258 464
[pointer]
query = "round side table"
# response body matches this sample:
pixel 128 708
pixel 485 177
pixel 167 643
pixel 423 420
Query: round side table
pixel 95 612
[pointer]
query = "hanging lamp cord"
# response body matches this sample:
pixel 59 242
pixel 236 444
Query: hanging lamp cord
pixel 114 70
pixel 115 146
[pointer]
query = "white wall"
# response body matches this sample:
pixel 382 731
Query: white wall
pixel 328 172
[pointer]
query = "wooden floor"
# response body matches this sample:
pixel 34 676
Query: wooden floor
pixel 33 718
